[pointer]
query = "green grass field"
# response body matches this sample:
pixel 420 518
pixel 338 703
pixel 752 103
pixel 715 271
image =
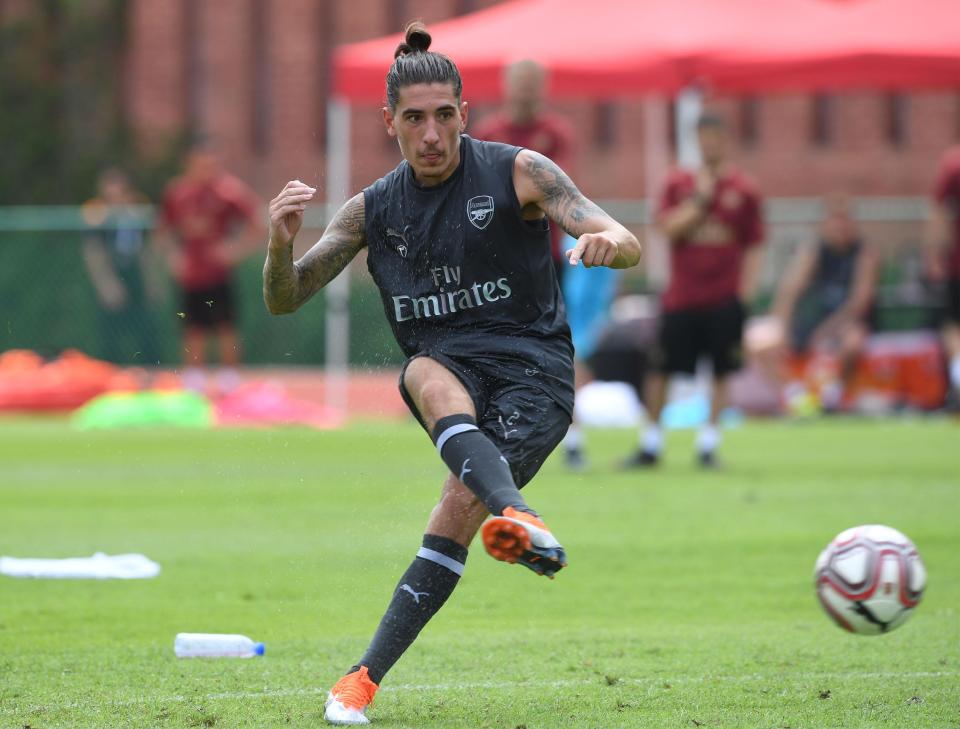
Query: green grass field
pixel 688 601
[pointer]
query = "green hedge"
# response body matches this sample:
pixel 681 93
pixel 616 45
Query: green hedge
pixel 50 305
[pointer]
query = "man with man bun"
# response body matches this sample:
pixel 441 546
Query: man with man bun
pixel 457 242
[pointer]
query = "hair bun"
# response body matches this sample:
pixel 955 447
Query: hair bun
pixel 416 39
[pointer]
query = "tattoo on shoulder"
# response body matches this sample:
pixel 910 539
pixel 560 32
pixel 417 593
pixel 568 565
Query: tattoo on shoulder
pixel 341 241
pixel 562 201
pixel 350 218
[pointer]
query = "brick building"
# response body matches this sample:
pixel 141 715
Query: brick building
pixel 255 73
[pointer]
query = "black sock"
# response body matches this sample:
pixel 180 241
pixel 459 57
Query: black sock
pixel 421 592
pixel 474 458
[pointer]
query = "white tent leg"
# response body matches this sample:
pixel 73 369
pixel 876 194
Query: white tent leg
pixel 689 107
pixel 656 155
pixel 337 292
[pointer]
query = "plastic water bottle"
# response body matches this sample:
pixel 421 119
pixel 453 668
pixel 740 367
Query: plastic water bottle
pixel 216 645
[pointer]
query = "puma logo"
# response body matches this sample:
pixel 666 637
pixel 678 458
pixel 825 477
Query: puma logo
pixel 395 234
pixel 464 471
pixel 403 246
pixel 416 595
pixel 510 421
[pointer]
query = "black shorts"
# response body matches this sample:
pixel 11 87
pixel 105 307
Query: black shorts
pixel 688 334
pixel 521 419
pixel 210 307
pixel 622 353
pixel 952 302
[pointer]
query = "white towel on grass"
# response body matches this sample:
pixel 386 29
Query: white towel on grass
pixel 98 567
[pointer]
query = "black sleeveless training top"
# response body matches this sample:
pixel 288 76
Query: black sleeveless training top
pixel 828 290
pixel 460 271
pixel 833 276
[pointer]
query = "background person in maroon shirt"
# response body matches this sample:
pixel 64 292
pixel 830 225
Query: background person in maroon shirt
pixel 524 123
pixel 208 223
pixel 943 260
pixel 713 221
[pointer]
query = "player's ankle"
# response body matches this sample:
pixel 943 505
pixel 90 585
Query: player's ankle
pixel 519 507
pixel 652 440
pixel 708 439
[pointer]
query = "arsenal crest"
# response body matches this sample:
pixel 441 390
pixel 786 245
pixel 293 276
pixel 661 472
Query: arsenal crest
pixel 480 211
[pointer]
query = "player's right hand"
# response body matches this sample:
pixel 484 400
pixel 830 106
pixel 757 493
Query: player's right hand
pixel 286 212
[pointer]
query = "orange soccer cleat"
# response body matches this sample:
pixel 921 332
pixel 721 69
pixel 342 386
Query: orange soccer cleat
pixel 519 537
pixel 348 700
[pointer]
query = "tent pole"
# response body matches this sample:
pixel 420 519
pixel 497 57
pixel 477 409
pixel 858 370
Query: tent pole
pixel 689 106
pixel 656 154
pixel 337 292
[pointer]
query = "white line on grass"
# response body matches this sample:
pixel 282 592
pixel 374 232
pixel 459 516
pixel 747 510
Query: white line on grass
pixel 598 679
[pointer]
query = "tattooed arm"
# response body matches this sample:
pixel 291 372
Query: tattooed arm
pixel 288 284
pixel 542 187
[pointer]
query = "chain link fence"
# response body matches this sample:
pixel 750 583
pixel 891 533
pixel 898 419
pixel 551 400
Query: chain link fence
pixel 50 302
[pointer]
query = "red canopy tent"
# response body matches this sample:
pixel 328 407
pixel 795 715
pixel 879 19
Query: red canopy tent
pixel 616 48
pixel 604 49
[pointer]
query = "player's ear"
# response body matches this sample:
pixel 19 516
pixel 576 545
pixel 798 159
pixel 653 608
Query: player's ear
pixel 463 115
pixel 388 119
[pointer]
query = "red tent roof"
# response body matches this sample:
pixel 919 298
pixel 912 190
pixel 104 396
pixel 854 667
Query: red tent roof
pixel 615 48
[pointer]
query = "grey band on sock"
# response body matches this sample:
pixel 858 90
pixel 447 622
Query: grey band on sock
pixel 441 559
pixel 452 431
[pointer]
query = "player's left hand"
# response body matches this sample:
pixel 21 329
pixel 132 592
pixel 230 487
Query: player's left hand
pixel 594 249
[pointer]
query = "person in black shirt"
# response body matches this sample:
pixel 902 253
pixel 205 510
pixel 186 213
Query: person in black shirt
pixel 458 244
pixel 825 299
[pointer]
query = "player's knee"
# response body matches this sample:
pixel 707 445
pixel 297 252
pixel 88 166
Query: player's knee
pixel 419 377
pixel 434 394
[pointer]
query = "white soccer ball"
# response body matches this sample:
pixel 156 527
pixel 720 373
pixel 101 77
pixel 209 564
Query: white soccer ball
pixel 869 579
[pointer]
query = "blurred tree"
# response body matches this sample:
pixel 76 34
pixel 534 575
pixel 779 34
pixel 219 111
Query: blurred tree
pixel 61 88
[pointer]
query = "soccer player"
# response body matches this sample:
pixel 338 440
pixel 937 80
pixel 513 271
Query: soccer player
pixel 943 261
pixel 712 219
pixel 458 244
pixel 208 223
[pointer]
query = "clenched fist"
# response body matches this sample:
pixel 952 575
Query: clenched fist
pixel 286 212
pixel 594 249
